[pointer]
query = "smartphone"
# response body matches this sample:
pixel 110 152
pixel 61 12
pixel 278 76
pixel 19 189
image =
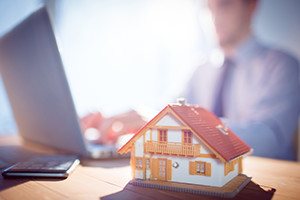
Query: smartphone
pixel 54 166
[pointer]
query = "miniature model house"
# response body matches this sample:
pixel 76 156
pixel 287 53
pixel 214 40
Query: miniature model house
pixel 186 144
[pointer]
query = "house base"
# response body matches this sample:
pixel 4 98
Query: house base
pixel 229 190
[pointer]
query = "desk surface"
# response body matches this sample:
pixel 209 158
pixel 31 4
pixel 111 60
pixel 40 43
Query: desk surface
pixel 107 179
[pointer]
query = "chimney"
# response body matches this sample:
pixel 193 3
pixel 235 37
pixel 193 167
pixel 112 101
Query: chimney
pixel 181 101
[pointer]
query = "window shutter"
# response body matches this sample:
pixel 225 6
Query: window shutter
pixel 207 169
pixel 151 168
pixel 169 170
pixel 192 168
pixel 225 168
pixel 144 163
pixel 228 167
pixel 154 168
pixel 240 165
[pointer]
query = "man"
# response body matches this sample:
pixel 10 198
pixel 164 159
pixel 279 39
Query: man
pixel 256 89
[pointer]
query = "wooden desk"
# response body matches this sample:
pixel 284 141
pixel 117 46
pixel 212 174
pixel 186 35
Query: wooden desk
pixel 108 180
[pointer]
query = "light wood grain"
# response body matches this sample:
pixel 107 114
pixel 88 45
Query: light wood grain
pixel 107 179
pixel 284 176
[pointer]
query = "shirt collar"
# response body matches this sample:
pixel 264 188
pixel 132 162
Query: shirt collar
pixel 246 50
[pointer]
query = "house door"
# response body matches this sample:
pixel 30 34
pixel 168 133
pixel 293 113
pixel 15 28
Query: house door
pixel 162 169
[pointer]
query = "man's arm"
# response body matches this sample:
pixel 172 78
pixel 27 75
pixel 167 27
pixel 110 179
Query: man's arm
pixel 270 128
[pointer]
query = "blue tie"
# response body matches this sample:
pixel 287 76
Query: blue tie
pixel 218 106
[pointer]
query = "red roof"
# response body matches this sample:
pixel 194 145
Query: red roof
pixel 204 124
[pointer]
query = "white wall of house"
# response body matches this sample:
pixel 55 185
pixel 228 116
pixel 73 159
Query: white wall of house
pixel 139 152
pixel 139 147
pixel 154 135
pixel 147 135
pixel 181 174
pixel 148 173
pixel 203 148
pixel 139 174
pixel 174 136
pixel 168 120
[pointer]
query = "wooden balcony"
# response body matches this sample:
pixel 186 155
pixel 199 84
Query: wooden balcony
pixel 172 148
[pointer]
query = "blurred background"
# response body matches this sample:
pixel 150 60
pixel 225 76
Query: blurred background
pixel 121 54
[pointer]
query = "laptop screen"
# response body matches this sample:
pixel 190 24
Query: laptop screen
pixel 37 87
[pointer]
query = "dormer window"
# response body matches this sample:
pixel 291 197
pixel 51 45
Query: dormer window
pixel 223 129
pixel 162 135
pixel 187 137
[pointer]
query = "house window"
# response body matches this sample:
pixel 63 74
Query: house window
pixel 162 135
pixel 187 137
pixel 139 163
pixel 200 167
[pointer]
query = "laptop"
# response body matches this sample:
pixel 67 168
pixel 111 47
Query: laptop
pixel 38 91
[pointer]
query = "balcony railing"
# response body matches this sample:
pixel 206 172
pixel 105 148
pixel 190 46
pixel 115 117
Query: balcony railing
pixel 172 148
